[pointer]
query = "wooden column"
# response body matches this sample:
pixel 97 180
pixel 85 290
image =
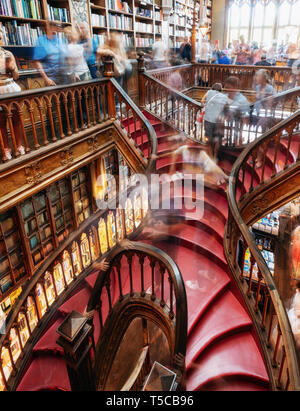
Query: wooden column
pixel 75 338
pixel 193 53
pixel 109 72
pixel 141 71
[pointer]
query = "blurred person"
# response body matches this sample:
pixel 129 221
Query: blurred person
pixel 263 61
pixel 48 56
pixel 204 52
pixel 197 161
pixel 90 49
pixel 214 101
pixel 260 115
pixel 232 50
pixel 185 50
pixel 114 48
pixel 8 75
pixel 238 110
pixel 272 54
pixel 76 66
pixel 242 52
pixel 223 58
pixel 294 312
pixel 237 100
pixel 159 54
pixel 215 53
pixel 257 54
pixel 293 54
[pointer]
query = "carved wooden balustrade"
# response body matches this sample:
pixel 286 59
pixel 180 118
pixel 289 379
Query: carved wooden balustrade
pixel 263 114
pixel 142 281
pixel 205 75
pixel 168 104
pixel 41 117
pixel 172 107
pixel 263 178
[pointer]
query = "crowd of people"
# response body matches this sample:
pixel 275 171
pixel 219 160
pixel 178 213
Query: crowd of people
pixel 240 52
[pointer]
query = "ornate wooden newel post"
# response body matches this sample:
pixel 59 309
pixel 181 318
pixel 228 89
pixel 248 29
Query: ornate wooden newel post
pixel 141 71
pixel 109 72
pixel 76 339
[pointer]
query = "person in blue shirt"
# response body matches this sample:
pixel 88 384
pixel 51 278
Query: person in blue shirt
pixel 90 49
pixel 223 58
pixel 48 56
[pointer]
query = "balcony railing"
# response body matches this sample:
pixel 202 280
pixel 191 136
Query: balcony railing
pixel 250 188
pixel 205 75
pixel 37 118
pixel 186 115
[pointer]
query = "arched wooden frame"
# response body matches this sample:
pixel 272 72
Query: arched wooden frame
pixel 116 326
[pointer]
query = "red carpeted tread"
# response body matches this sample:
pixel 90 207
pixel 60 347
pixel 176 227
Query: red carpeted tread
pixel 235 355
pixel 224 316
pixel 46 373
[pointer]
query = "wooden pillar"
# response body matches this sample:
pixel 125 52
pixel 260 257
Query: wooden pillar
pixel 109 72
pixel 141 71
pixel 75 338
pixel 193 53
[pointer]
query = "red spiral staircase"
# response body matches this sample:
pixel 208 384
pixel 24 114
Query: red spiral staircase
pixel 223 352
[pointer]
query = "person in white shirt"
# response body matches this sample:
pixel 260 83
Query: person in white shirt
pixel 159 54
pixel 214 101
pixel 77 67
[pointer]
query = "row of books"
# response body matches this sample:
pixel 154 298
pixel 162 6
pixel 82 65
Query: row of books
pixel 99 39
pixel 20 35
pixel 119 5
pixel 127 40
pixel 98 20
pixel 143 12
pixel 59 14
pixel 268 224
pixel 144 41
pixel 144 27
pixel 157 15
pixel 157 30
pixel 120 22
pixel 29 9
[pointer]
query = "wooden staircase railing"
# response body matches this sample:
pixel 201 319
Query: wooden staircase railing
pixel 182 112
pixel 38 118
pixel 252 193
pixel 156 292
pixel 205 75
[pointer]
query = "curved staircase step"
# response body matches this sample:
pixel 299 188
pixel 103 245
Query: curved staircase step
pixel 237 355
pixel 224 316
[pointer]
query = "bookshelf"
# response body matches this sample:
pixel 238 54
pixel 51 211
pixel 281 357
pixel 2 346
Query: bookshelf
pixel 139 22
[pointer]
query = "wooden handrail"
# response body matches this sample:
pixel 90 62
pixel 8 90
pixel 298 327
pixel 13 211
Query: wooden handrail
pixel 238 238
pixel 38 117
pixel 165 290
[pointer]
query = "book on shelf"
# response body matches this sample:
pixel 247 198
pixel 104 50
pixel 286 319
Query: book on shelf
pixel 144 27
pixel 119 6
pixel 20 34
pixel 140 11
pixel 99 39
pixel 120 22
pixel 144 41
pixel 59 14
pixel 29 9
pixel 98 20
